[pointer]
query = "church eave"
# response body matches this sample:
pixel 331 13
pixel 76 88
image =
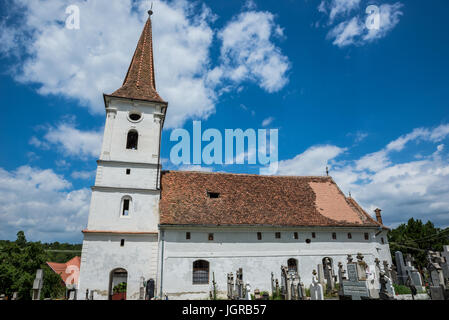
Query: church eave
pixel 106 96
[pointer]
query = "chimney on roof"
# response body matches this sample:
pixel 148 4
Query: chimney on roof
pixel 378 215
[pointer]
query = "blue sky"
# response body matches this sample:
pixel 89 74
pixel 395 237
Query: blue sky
pixel 370 105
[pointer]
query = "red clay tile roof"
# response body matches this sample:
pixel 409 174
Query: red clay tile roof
pixel 140 82
pixel 256 200
pixel 60 268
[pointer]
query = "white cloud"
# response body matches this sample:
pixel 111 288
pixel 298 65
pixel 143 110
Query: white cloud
pixel 82 64
pixel 311 162
pixel 267 121
pixel 41 203
pixel 338 7
pixel 389 18
pixel 83 175
pixel 353 30
pixel 410 188
pixel 71 141
pixel 248 53
pixel 346 33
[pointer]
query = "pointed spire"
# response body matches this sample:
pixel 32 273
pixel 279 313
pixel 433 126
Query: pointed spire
pixel 140 82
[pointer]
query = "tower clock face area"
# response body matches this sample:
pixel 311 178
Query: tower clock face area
pixel 135 116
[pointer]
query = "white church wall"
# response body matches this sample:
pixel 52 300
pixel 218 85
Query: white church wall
pixel 103 252
pixel 106 214
pixel 114 174
pixel 239 248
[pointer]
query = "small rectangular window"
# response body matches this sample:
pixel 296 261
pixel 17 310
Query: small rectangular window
pixel 366 236
pixel 211 236
pixel 125 207
pixel 213 195
pixel 259 235
pixel 128 171
pixel 382 240
pixel 349 235
pixel 295 235
pixel 334 236
pixel 278 235
pixel 122 243
pixel 187 235
pixel 313 235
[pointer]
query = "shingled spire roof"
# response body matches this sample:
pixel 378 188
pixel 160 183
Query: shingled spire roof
pixel 140 82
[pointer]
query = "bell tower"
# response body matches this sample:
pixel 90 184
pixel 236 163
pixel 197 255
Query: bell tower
pixel 121 239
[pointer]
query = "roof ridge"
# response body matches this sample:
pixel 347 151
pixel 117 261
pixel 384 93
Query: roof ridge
pixel 248 174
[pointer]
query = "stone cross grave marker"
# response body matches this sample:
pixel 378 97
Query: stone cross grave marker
pixel 354 287
pixel 316 289
pixel 321 275
pixel 341 277
pixel 38 284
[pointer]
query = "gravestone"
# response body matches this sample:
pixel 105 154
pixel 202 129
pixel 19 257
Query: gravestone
pixel 328 275
pixel 236 290
pixel 231 285
pixel 142 288
pixel 291 286
pixel 72 295
pixel 257 294
pixel 387 269
pixel 437 292
pixel 355 288
pixel 239 283
pixel 15 295
pixel 445 264
pixel 372 281
pixel 38 284
pixel 316 289
pixel 384 293
pixel 402 273
pixel 321 278
pixel 445 253
pixel 150 289
pixel 438 288
pixel 361 268
pixel 414 274
pixel 394 275
pixel 341 277
pixel 248 291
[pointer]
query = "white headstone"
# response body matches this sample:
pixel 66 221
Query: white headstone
pixel 316 289
pixel 248 292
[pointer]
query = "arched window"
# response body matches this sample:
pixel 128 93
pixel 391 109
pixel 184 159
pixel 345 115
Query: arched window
pixel 125 208
pixel 292 265
pixel 201 272
pixel 133 138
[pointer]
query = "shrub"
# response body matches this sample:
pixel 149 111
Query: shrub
pixel 401 289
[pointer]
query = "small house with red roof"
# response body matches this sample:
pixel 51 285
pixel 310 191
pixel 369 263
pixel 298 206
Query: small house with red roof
pixel 69 273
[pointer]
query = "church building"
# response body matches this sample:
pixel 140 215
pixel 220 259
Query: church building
pixel 173 231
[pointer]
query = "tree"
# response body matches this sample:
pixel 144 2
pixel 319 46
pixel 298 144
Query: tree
pixel 19 261
pixel 416 238
pixel 21 239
